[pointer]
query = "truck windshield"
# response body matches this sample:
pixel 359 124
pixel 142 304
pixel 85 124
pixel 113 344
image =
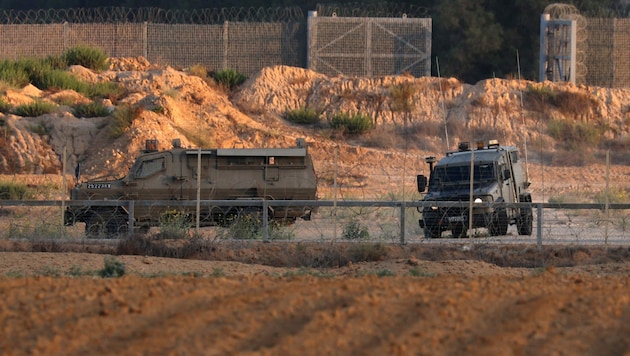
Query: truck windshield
pixel 461 174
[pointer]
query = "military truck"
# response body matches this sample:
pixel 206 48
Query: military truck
pixel 498 177
pixel 236 174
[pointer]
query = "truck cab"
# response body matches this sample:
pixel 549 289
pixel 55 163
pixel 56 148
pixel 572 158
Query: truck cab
pixel 497 177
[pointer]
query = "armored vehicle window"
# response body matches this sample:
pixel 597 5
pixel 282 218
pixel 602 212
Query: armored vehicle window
pixel 241 161
pixel 297 161
pixel 514 156
pixel 461 174
pixel 150 167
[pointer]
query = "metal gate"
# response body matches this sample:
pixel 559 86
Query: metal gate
pixel 369 46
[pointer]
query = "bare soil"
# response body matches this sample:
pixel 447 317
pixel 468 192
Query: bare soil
pixel 459 299
pixel 277 299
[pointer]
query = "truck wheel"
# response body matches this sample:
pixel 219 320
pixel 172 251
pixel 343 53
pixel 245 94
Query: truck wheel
pixel 524 222
pixel 498 223
pixel 459 231
pixel 95 226
pixel 431 232
pixel 117 226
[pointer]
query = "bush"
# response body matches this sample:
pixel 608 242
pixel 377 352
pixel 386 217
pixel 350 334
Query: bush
pixel 14 191
pixel 305 116
pixel 124 116
pixel 574 135
pixel 13 74
pixel 57 79
pixel 229 78
pixel 538 96
pixel 35 109
pixel 90 110
pixel 174 225
pixel 355 124
pixel 109 90
pixel 88 57
pixel 355 230
pixel 113 268
pixel 4 106
pixel 246 226
pixel 198 70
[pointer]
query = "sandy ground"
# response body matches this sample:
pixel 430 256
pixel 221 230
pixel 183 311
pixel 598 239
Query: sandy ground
pixel 54 303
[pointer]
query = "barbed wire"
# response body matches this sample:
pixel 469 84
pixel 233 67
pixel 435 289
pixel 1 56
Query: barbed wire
pixel 152 15
pixel 383 9
pixel 613 10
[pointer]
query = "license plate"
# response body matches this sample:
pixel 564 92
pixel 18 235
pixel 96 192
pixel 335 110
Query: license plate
pixel 456 219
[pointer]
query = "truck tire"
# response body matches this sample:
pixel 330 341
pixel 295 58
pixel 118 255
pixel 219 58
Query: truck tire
pixel 117 226
pixel 431 232
pixel 498 223
pixel 525 222
pixel 95 226
pixel 459 231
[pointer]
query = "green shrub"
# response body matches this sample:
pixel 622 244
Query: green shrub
pixel 88 57
pixel 14 191
pixel 616 195
pixel 229 78
pixel 13 74
pixel 5 107
pixel 109 90
pixel 355 124
pixel 574 135
pixel 304 116
pixel 35 109
pixel 355 230
pixel 247 226
pixel 113 268
pixel 540 94
pixel 57 79
pixel 174 225
pixel 124 116
pixel 56 62
pixel 92 109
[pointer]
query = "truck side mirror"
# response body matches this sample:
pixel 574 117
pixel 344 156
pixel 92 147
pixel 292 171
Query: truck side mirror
pixel 422 182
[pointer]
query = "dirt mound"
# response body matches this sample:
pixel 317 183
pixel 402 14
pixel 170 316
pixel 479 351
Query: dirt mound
pixel 171 104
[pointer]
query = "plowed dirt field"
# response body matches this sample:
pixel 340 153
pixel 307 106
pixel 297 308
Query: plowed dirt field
pixel 51 304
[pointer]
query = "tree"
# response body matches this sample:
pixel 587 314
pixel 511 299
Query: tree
pixel 467 39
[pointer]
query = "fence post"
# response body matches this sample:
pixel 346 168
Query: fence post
pixel 265 217
pixel 403 207
pixel 226 46
pixel 539 227
pixel 131 209
pixel 145 39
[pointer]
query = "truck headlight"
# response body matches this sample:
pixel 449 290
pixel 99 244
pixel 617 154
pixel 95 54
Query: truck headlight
pixel 478 200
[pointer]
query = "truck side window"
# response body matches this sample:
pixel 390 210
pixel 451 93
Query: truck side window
pixel 150 167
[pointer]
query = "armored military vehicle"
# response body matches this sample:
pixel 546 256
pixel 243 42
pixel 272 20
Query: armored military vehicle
pixel 226 174
pixel 498 177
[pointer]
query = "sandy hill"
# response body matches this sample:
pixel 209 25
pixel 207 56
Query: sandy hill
pixel 413 118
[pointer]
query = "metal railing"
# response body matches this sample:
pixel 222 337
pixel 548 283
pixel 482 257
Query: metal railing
pixel 553 222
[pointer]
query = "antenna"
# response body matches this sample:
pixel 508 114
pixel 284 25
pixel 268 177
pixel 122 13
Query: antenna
pixel 437 64
pixel 518 64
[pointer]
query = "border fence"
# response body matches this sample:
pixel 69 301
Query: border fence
pixel 352 221
pixel 372 40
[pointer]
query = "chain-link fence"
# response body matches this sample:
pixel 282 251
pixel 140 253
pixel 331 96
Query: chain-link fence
pixel 243 39
pixel 349 221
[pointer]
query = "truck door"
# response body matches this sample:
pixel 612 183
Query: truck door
pixel 505 175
